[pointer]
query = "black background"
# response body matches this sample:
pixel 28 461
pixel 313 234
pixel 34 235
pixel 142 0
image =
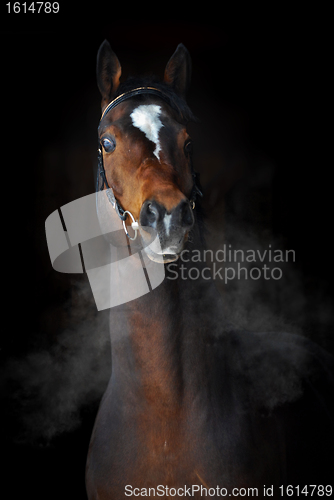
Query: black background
pixel 260 89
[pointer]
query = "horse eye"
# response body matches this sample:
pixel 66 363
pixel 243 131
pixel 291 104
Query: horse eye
pixel 108 145
pixel 188 148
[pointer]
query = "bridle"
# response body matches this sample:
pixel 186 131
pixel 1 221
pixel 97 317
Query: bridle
pixel 122 214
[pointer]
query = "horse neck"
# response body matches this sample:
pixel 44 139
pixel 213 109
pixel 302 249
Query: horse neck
pixel 158 341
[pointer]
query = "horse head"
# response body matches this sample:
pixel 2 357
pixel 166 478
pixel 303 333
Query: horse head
pixel 146 150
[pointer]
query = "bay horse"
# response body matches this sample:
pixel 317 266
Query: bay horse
pixel 193 404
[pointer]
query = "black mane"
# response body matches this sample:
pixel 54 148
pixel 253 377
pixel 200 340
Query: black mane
pixel 153 81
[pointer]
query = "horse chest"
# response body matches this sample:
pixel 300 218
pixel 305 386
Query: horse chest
pixel 146 451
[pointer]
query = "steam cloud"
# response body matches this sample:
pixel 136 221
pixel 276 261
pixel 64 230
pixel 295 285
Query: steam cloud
pixel 54 385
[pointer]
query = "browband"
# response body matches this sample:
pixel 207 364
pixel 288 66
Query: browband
pixel 139 91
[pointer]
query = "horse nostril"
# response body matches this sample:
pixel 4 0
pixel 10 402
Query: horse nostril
pixel 187 218
pixel 151 214
pixel 151 210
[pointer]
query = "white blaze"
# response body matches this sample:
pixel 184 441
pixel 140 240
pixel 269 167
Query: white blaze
pixel 167 219
pixel 146 118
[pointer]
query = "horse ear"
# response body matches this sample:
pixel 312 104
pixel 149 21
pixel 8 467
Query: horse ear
pixel 178 70
pixel 108 72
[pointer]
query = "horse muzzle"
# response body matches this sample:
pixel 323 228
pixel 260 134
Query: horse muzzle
pixel 163 232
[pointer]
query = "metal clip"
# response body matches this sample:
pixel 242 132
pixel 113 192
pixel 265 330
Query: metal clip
pixel 134 226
